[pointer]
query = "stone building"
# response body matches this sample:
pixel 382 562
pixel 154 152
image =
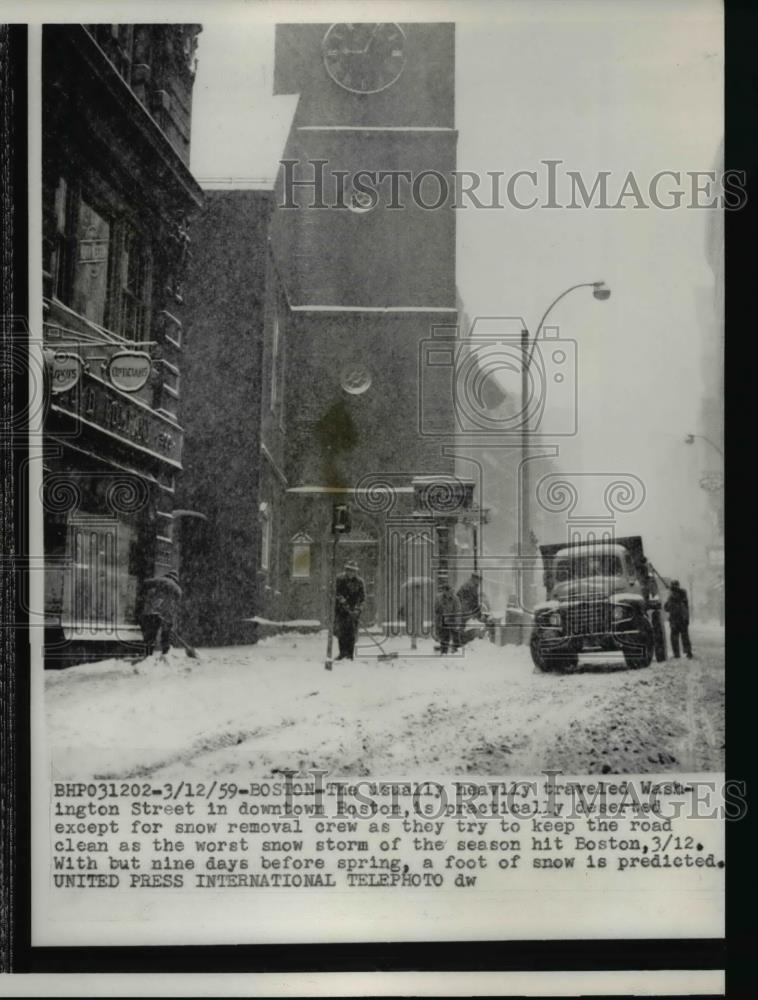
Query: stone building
pixel 357 407
pixel 116 200
pixel 222 410
pixel 320 349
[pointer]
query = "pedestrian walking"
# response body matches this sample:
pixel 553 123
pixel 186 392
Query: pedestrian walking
pixel 678 609
pixel 350 594
pixel 447 616
pixel 160 611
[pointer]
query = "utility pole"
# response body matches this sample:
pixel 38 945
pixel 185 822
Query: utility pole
pixel 524 497
pixel 330 605
pixel 341 525
pixel 601 292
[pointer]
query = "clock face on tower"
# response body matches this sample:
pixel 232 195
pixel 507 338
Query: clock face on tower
pixel 364 58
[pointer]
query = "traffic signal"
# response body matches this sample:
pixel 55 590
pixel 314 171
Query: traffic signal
pixel 341 521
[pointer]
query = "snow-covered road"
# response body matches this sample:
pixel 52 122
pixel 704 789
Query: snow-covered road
pixel 259 709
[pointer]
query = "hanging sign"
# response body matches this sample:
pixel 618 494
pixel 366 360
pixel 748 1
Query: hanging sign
pixel 129 370
pixel 64 369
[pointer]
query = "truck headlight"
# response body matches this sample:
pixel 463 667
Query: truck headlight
pixel 619 612
pixel 554 619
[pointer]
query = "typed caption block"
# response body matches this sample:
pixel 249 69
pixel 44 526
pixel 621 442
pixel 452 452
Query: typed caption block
pixel 305 832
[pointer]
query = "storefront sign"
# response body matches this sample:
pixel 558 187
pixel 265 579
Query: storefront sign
pixel 129 370
pixel 99 404
pixel 65 370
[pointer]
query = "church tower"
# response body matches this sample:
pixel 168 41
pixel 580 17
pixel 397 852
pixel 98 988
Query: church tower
pixel 362 283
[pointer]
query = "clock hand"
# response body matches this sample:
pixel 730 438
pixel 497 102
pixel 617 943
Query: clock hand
pixel 367 46
pixel 371 38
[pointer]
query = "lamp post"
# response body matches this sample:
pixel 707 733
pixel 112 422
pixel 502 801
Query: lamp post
pixel 601 292
pixel 711 482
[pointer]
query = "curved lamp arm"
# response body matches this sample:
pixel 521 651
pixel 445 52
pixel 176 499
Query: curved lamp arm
pixel 599 287
pixel 690 439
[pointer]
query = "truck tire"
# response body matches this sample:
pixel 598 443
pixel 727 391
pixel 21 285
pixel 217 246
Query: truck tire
pixel 659 638
pixel 537 658
pixel 550 663
pixel 641 653
pixel 565 662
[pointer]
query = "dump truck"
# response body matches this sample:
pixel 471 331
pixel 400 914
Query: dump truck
pixel 600 596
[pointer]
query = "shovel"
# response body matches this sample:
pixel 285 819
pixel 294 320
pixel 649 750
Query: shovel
pixel 189 650
pixel 382 655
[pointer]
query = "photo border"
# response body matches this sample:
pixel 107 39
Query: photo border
pixel 17 954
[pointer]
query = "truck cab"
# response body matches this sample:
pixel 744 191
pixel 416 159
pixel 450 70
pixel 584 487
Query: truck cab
pixel 600 596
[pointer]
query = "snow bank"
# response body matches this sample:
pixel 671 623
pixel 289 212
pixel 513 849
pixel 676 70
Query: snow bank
pixel 112 719
pixel 252 711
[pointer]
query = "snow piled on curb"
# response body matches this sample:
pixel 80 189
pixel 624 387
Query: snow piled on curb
pixel 237 713
pixel 117 719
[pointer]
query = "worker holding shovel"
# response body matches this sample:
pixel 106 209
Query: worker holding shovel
pixel 161 606
pixel 350 593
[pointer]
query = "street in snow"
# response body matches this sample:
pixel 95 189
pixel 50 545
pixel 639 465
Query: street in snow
pixel 242 712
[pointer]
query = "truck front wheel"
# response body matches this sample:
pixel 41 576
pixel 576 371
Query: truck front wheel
pixel 552 661
pixel 537 658
pixel 640 653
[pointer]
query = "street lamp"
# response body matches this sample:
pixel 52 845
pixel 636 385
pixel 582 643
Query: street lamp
pixel 601 292
pixel 711 482
pixel 690 439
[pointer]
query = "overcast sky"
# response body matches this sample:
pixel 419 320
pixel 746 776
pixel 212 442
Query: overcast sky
pixel 614 86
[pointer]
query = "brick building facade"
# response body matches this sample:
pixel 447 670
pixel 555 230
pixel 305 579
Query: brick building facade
pixel 116 200
pixel 350 409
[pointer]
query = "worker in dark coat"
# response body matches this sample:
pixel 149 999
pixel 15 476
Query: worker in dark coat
pixel 473 606
pixel 647 575
pixel 447 616
pixel 350 594
pixel 470 596
pixel 160 610
pixel 678 609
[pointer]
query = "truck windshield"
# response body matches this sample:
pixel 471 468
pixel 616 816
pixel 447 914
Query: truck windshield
pixel 581 566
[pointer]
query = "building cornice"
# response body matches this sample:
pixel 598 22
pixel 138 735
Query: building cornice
pixel 136 124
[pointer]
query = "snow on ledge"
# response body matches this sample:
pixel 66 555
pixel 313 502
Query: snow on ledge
pixel 292 623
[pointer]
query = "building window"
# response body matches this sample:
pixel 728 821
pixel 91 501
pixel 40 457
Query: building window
pixel 134 291
pixel 275 364
pixel 266 532
pixel 301 557
pixel 58 262
pixel 101 264
pixel 89 280
pixel 282 371
pixel 277 371
pixel 116 41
